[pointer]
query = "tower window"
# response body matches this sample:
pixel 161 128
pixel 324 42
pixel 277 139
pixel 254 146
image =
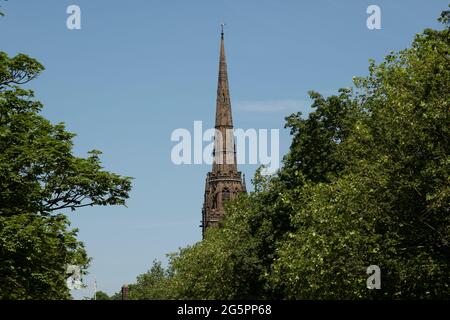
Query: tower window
pixel 214 202
pixel 225 195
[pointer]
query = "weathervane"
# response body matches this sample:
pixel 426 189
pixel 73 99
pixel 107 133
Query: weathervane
pixel 221 27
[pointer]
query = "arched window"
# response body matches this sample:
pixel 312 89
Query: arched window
pixel 225 195
pixel 214 201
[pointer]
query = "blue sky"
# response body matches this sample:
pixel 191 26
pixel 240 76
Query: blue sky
pixel 139 69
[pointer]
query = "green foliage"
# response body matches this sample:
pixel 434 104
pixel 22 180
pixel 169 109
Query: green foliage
pixel 100 295
pixel 37 169
pixel 389 203
pixel 1 12
pixel 151 285
pixel 34 253
pixel 314 149
pixel 39 177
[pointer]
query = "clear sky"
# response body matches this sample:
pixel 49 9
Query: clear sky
pixel 139 69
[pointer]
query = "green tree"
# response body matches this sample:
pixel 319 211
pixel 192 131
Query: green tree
pixel 151 285
pixel 314 152
pixel 390 204
pixel 100 295
pixel 40 177
pixel 1 12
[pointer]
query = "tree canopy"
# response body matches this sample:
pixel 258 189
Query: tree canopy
pixel 40 178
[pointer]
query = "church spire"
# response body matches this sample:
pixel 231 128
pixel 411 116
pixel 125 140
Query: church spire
pixel 224 148
pixel 224 182
pixel 223 104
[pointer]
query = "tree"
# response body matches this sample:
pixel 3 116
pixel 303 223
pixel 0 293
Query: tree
pixel 314 152
pixel 1 12
pixel 40 177
pixel 390 204
pixel 35 251
pixel 151 285
pixel 100 295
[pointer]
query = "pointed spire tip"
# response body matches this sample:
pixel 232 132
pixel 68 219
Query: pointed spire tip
pixel 222 25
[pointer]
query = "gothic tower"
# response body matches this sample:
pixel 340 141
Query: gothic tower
pixel 224 181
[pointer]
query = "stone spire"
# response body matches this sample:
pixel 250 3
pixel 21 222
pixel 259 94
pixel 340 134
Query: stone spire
pixel 223 104
pixel 224 182
pixel 224 147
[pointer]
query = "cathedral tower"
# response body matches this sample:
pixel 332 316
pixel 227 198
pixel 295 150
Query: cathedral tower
pixel 224 181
